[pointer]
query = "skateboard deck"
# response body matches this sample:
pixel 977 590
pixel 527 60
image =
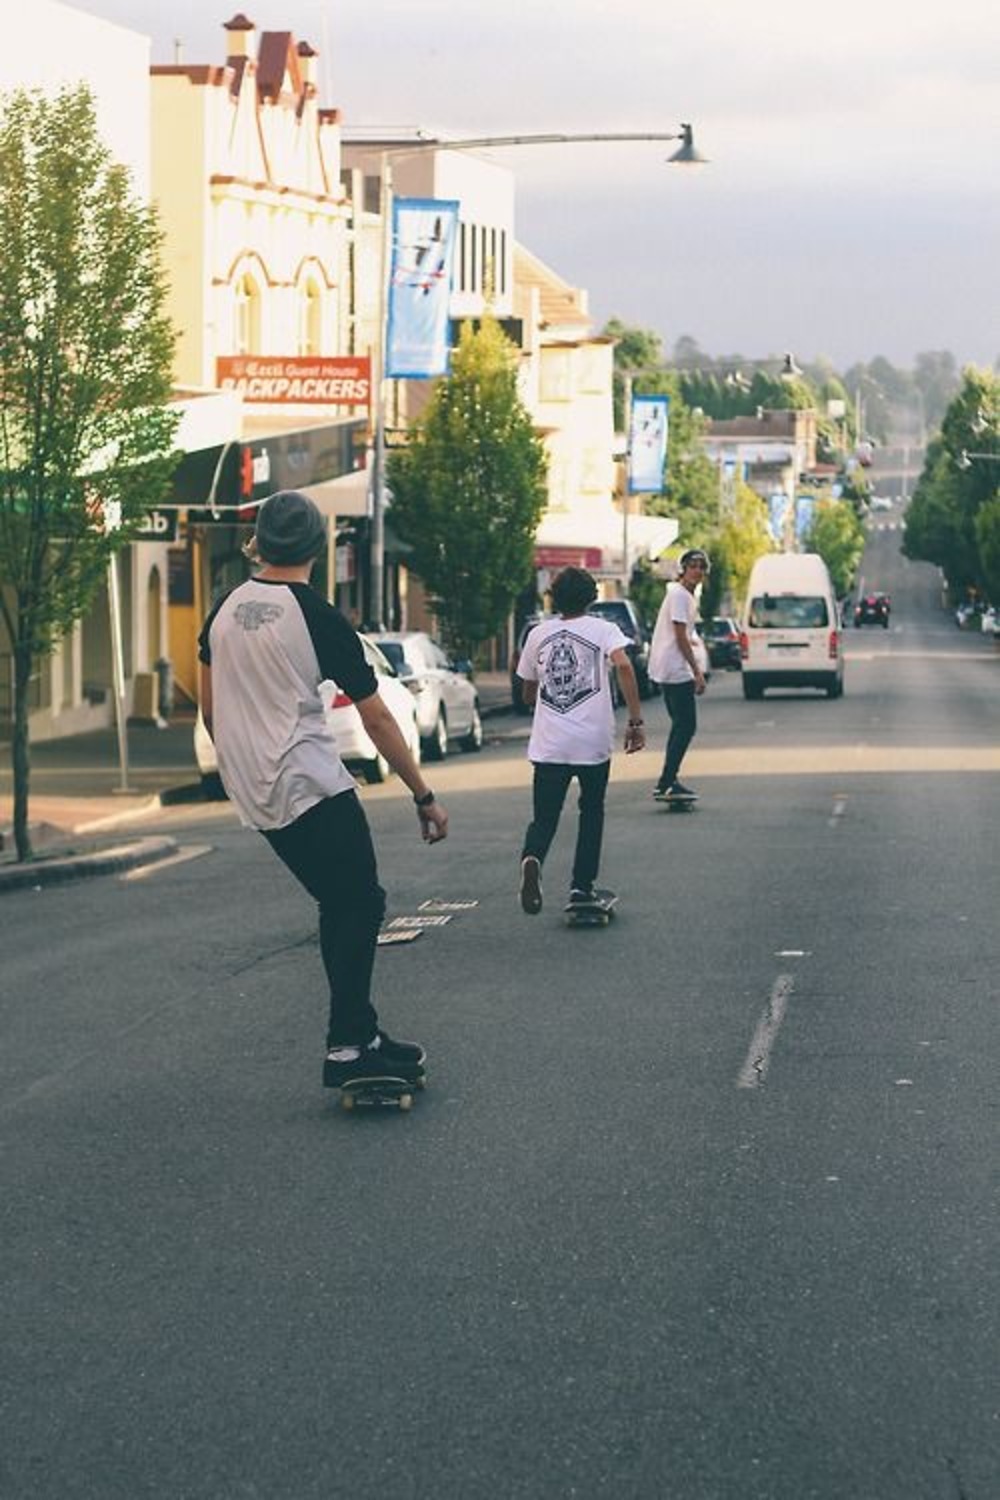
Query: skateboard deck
pixel 671 804
pixel 596 913
pixel 389 1092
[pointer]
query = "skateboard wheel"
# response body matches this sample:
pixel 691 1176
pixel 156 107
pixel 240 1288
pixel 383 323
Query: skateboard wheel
pixel 406 1101
pixel 347 1101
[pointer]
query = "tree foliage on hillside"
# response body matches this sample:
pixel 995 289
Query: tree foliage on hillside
pixel 85 359
pixel 953 512
pixel 469 489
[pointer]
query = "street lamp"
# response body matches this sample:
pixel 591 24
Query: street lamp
pixel 685 155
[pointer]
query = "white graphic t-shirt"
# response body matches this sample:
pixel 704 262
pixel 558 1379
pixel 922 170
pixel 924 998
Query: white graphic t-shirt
pixel 574 721
pixel 667 663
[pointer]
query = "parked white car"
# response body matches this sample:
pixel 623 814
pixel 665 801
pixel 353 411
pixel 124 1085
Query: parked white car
pixel 446 700
pixel 356 749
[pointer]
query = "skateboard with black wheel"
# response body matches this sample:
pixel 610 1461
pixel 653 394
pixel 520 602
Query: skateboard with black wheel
pixel 595 913
pixel 675 804
pixel 387 1092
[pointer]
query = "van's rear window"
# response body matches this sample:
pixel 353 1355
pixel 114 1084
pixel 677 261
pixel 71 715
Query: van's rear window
pixel 788 612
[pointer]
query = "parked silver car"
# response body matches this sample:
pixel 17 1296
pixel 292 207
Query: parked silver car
pixel 446 699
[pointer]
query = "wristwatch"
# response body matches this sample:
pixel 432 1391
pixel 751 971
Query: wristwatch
pixel 425 800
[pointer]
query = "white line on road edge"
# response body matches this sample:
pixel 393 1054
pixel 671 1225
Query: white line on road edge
pixel 191 851
pixel 754 1070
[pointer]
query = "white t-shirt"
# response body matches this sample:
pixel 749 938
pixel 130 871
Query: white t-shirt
pixel 574 721
pixel 270 645
pixel 667 663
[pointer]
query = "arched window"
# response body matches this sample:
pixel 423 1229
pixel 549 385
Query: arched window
pixel 310 331
pixel 246 316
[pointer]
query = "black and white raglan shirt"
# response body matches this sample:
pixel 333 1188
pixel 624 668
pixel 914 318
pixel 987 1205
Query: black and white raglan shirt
pixel 270 645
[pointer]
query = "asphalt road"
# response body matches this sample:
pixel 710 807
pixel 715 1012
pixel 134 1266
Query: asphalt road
pixel 701 1206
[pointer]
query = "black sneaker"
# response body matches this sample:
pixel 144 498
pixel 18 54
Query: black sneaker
pixel 406 1054
pixel 680 793
pixel 582 896
pixel 390 1059
pixel 659 792
pixel 531 885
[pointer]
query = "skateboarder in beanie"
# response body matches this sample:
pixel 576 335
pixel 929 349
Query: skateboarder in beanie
pixel 673 664
pixel 264 650
pixel 565 669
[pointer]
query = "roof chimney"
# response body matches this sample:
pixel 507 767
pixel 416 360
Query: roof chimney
pixel 307 62
pixel 241 37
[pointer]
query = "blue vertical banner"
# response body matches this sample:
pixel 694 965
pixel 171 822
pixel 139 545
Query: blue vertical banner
pixel 423 244
pixel 648 423
pixel 805 511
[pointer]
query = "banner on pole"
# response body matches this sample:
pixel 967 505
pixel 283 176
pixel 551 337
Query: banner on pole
pixel 423 242
pixel 647 444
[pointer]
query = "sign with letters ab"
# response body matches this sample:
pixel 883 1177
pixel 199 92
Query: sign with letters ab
pixel 158 526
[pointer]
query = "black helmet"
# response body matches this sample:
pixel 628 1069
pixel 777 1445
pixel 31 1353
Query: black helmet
pixel 693 555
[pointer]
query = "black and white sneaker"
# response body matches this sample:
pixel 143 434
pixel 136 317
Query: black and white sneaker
pixel 382 1058
pixel 679 793
pixel 531 885
pixel 582 895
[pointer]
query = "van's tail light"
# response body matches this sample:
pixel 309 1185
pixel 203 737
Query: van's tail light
pixel 834 650
pixel 744 645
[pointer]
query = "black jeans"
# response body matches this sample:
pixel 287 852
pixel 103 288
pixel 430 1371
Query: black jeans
pixel 551 784
pixel 329 849
pixel 680 700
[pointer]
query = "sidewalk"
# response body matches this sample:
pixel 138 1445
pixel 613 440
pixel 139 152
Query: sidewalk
pixel 79 796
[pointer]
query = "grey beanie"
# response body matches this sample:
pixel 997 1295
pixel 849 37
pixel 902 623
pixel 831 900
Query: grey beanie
pixel 289 529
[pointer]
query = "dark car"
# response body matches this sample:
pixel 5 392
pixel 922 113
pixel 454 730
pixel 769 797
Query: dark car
pixel 624 614
pixel 722 639
pixel 516 685
pixel 872 609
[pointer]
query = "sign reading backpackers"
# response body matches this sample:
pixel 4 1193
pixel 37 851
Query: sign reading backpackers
pixel 296 379
pixel 423 240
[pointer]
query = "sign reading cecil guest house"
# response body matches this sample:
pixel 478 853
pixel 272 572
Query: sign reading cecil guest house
pixel 302 379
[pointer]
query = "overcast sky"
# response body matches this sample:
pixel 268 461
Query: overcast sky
pixel 852 204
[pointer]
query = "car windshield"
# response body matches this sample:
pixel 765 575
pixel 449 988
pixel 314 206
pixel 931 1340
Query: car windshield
pixel 608 609
pixel 788 612
pixel 394 651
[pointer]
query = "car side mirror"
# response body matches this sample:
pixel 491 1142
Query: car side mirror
pixel 463 666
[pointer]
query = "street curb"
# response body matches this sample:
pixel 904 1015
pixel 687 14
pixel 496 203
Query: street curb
pixel 44 872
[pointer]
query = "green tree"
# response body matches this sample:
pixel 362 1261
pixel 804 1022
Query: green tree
pixel 743 536
pixel 635 349
pixel 469 489
pixel 837 534
pixel 941 523
pixel 85 357
pixel 988 544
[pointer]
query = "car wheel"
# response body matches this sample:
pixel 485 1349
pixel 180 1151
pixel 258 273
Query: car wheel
pixel 436 744
pixel 377 770
pixel 474 739
pixel 752 689
pixel 835 689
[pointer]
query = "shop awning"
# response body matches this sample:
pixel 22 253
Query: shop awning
pixel 596 540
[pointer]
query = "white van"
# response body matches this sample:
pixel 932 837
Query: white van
pixel 791 628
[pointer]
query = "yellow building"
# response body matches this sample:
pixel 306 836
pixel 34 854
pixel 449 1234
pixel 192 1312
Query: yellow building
pixel 246 176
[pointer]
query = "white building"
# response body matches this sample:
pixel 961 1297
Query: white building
pixel 49 46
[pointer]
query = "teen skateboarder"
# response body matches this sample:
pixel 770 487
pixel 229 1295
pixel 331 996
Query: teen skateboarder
pixel 674 665
pixel 565 667
pixel 264 650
